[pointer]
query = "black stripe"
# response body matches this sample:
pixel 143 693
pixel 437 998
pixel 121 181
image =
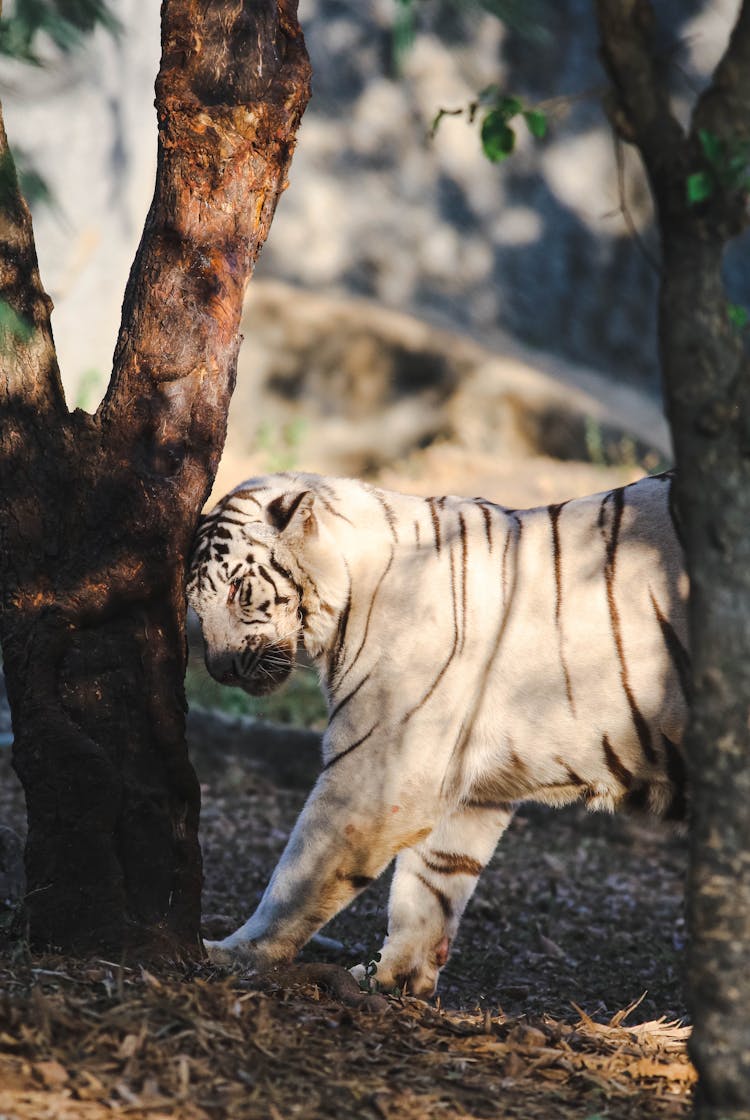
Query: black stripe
pixel 416 534
pixel 615 764
pixel 287 575
pixel 435 523
pixel 451 655
pixel 554 517
pixel 264 573
pixel 232 520
pixel 464 576
pixel 464 734
pixel 248 495
pixel 349 696
pixel 505 560
pixel 280 515
pixel 453 863
pixel 378 585
pixel 332 509
pixel 678 653
pixel 348 750
pixel 229 508
pixel 574 779
pixel 389 513
pixel 641 727
pixel 445 903
pixel 337 649
pixel 487 525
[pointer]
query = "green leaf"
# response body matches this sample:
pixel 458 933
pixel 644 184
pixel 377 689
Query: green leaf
pixel 713 147
pixel 738 315
pixel 700 186
pixel 64 22
pixel 509 107
pixel 536 123
pixel 498 140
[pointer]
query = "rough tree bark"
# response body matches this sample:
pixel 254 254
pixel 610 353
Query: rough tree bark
pixel 97 512
pixel 706 377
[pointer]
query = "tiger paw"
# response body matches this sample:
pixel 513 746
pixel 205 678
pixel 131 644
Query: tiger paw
pixel 404 972
pixel 239 957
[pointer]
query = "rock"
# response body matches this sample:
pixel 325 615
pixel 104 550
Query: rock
pixel 345 386
pixel 225 750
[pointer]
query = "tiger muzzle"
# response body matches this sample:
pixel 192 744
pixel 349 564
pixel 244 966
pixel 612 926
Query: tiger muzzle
pixel 259 668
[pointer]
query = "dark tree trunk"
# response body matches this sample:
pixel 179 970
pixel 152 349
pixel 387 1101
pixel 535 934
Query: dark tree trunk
pixel 707 388
pixel 97 512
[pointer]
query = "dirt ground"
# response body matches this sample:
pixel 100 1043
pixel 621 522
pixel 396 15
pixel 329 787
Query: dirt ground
pixel 577 917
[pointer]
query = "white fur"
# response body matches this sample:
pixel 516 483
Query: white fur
pixel 488 657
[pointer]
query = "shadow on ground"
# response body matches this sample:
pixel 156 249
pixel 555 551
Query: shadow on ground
pixel 574 909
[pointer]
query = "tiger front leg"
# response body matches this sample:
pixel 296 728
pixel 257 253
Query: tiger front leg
pixel 432 883
pixel 345 836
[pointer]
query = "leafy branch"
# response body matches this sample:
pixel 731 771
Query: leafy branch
pixel 497 136
pixel 65 22
pixel 726 168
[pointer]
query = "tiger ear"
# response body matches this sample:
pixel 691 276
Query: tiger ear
pixel 290 511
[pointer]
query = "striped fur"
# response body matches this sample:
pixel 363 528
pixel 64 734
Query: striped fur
pixel 472 656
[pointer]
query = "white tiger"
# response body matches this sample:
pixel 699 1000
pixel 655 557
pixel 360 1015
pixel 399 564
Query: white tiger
pixel 472 656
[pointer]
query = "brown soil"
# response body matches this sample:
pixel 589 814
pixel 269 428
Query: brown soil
pixel 575 909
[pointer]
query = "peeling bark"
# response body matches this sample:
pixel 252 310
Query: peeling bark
pixel 706 376
pixel 97 512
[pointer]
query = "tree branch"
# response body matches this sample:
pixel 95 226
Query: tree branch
pixel 29 375
pixel 233 84
pixel 644 116
pixel 724 107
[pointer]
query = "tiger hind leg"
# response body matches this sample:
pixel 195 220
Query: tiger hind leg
pixel 432 883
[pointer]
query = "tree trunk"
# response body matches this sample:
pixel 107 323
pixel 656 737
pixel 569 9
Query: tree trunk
pixel 707 388
pixel 97 512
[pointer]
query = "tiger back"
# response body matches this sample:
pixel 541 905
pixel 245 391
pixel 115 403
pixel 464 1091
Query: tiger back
pixel 472 657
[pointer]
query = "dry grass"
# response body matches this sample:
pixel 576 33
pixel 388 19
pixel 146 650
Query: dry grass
pixel 87 1040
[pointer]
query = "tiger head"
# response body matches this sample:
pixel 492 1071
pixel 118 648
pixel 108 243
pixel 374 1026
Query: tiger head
pixel 245 585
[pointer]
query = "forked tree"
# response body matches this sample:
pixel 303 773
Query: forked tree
pixel 97 511
pixel 700 182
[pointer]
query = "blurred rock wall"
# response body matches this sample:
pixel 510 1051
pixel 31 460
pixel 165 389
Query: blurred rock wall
pixel 536 246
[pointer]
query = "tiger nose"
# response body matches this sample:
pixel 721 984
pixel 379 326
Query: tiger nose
pixel 222 669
